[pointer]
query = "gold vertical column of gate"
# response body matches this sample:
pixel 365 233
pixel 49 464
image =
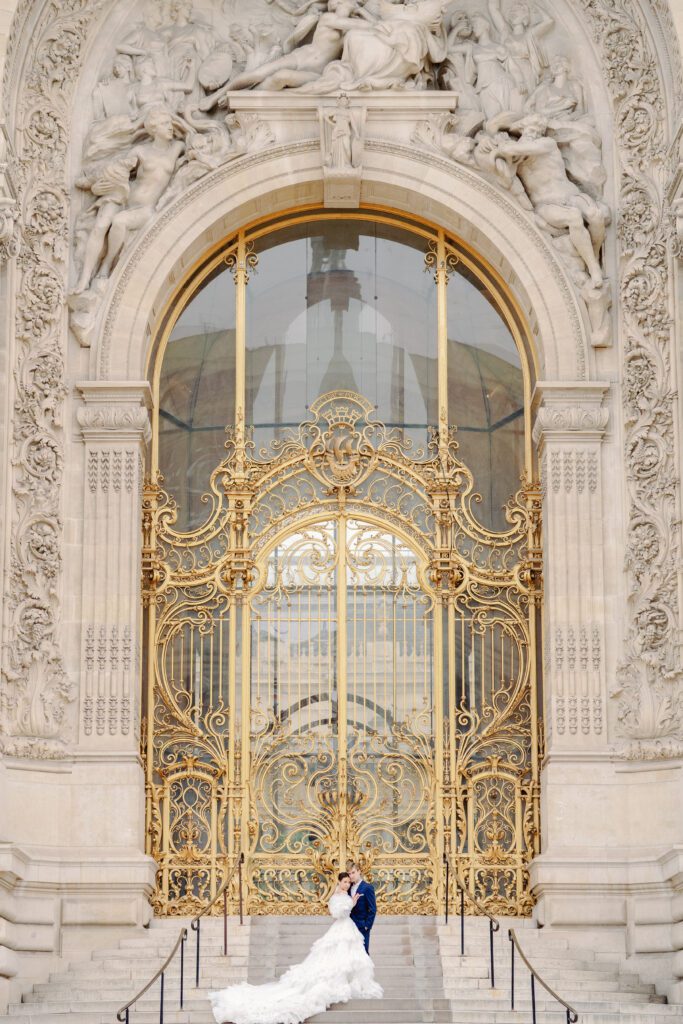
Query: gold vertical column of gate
pixel 395 717
pixel 342 760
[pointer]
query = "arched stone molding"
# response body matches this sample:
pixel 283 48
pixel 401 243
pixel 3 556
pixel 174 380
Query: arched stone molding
pixel 437 190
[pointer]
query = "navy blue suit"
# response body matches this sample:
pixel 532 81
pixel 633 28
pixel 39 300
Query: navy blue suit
pixel 364 913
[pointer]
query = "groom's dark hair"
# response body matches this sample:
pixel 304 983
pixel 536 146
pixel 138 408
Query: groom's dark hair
pixel 354 865
pixel 342 874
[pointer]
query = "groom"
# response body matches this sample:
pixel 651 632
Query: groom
pixel 365 909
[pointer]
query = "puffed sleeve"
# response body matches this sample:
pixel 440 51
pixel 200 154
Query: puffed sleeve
pixel 340 905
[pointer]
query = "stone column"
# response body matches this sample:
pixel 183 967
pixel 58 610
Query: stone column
pixel 571 421
pixel 570 426
pixel 115 426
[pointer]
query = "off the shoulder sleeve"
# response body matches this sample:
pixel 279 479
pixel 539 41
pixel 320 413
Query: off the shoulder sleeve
pixel 340 906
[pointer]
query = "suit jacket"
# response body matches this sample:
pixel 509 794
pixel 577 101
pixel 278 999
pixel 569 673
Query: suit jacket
pixel 365 910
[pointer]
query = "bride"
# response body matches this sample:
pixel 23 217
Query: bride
pixel 337 969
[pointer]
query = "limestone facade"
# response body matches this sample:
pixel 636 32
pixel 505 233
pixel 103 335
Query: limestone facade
pixel 108 194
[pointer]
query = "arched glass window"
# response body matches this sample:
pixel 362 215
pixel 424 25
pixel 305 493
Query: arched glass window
pixel 341 303
pixel 197 395
pixel 485 394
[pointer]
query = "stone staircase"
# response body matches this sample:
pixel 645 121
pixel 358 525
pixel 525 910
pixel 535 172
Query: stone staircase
pixel 417 962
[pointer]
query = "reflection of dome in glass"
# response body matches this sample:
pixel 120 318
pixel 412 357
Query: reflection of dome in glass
pixel 342 305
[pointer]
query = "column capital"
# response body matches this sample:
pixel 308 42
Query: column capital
pixel 115 411
pixel 570 411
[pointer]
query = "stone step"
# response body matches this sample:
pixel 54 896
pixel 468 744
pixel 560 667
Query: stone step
pixel 414 1006
pixel 417 961
pixel 455 986
pixel 654 1014
pixel 541 963
pixel 532 941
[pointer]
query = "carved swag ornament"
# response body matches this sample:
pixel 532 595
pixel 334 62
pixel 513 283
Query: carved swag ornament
pixel 159 123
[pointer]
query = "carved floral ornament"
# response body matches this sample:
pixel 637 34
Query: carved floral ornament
pixel 161 118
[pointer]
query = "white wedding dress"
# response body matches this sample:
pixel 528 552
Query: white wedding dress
pixel 337 969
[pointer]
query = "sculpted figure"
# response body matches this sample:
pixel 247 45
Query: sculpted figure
pixel 308 15
pixel 559 98
pixel 526 57
pixel 146 39
pixel 150 90
pixel 557 95
pixel 113 127
pixel 189 42
pixel 110 185
pixel 124 205
pixel 204 152
pixel 111 96
pixel 342 138
pixel 495 87
pixel 248 47
pixel 304 64
pixel 488 157
pixel 458 72
pixel 393 50
pixel 557 201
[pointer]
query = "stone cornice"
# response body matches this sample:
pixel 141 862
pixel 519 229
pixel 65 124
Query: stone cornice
pixel 570 411
pixel 115 411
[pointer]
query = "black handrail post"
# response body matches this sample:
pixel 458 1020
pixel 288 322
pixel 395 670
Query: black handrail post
pixel 512 971
pixel 462 921
pixel 196 971
pixel 182 969
pixel 493 967
pixel 239 880
pixel 225 923
pixel 533 999
pixel 448 882
pixel 127 1017
pixel 161 1001
pixel 569 1017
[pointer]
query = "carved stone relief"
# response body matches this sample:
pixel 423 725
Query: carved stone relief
pixel 35 691
pixel 648 691
pixel 150 138
pixel 341 139
pixel 158 115
pixel 160 107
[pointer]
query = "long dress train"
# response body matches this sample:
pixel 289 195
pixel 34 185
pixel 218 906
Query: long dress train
pixel 336 969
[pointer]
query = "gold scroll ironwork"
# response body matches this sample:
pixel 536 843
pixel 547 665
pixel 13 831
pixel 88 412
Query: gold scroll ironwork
pixel 342 664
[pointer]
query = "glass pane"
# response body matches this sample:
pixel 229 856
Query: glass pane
pixel 339 305
pixel 485 395
pixel 197 396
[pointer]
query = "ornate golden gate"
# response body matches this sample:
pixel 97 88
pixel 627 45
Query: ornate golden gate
pixel 341 665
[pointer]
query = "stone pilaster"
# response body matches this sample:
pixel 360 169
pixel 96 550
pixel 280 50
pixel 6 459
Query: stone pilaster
pixel 114 422
pixel 570 426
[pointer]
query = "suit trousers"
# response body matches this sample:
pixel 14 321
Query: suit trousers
pixel 365 932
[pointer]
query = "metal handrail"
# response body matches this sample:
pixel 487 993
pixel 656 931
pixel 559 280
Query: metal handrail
pixel 123 1013
pixel 223 891
pixel 572 1014
pixel 195 923
pixel 494 923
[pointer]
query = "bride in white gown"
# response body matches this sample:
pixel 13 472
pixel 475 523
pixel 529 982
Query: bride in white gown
pixel 336 969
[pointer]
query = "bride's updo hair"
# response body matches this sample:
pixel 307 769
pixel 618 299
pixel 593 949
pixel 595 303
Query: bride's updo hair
pixel 342 875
